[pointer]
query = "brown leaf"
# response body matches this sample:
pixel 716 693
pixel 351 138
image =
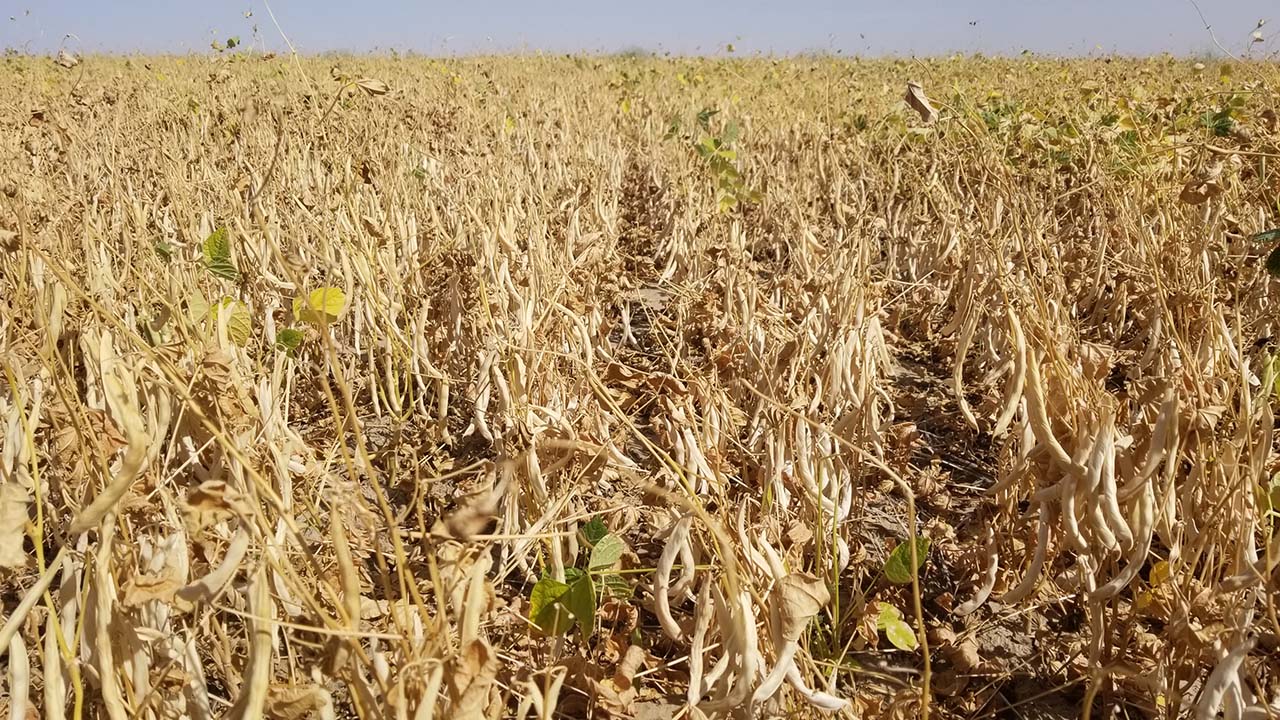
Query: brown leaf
pixel 473 673
pixel 654 711
pixel 1270 118
pixel 1204 184
pixel 964 655
pixel 294 702
pixel 210 503
pixel 617 695
pixel 1207 418
pixel 1095 360
pixel 949 683
pixel 144 588
pixel 216 367
pixel 796 599
pixel 371 226
pixel 371 86
pixel 798 535
pixel 916 99
pixel 66 59
pixel 470 519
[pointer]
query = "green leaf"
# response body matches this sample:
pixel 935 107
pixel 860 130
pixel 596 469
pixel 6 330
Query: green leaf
pixel 1271 235
pixel 164 250
pixel 886 613
pixel 889 621
pixel 197 308
pixel 580 601
pixel 704 118
pixel 606 552
pixel 217 256
pixel 594 530
pixel 544 607
pixel 239 321
pixel 571 575
pixel 321 306
pixel 1273 262
pixel 898 567
pixel 730 134
pixel 614 585
pixel 902 636
pixel 289 339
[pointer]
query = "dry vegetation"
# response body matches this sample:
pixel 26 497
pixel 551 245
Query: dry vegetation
pixel 476 323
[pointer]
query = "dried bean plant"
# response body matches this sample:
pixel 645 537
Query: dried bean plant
pixel 318 373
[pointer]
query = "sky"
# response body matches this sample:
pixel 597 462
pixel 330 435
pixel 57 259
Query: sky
pixel 852 27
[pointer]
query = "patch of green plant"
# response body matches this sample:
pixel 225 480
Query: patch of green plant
pixel 1223 120
pixel 999 114
pixel 1273 258
pixel 898 631
pixel 164 250
pixel 898 568
pixel 716 149
pixel 217 256
pixel 715 145
pixel 556 606
pixel 205 316
pixel 320 306
pixel 289 340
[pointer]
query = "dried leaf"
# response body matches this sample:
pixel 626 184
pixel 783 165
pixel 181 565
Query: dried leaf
pixel 797 598
pixel 145 588
pixel 372 86
pixel 1203 184
pixel 654 711
pixel 916 99
pixel 471 518
pixel 66 59
pixel 209 504
pixel 294 702
pixel 473 673
pixel 617 695
pixel 370 226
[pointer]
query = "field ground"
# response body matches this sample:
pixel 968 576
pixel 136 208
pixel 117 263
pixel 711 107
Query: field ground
pixel 619 386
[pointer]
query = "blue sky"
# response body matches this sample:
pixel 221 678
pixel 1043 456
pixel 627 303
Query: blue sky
pixel 684 27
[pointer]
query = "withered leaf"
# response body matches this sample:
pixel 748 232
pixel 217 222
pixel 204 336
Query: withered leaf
pixel 372 86
pixel 144 588
pixel 797 598
pixel 919 102
pixel 473 674
pixel 472 518
pixel 210 503
pixel 294 702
